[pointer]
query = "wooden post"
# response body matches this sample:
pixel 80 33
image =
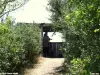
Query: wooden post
pixel 41 26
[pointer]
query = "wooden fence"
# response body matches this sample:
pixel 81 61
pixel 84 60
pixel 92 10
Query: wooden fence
pixel 54 49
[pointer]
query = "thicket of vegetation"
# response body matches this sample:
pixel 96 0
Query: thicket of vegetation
pixel 79 21
pixel 20 46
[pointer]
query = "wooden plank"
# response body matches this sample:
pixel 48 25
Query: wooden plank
pixel 55 49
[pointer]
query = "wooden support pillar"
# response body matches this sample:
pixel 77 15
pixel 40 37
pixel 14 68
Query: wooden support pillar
pixel 41 26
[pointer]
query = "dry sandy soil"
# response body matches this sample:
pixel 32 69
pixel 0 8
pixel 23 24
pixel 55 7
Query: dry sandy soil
pixel 46 66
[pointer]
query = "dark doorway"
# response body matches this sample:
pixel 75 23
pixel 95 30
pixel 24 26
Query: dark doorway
pixel 53 49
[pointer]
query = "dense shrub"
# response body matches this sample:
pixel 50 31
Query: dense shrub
pixel 79 66
pixel 19 46
pixel 83 33
pixel 30 37
pixel 80 23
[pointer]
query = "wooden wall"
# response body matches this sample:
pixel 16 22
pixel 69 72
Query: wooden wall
pixel 54 49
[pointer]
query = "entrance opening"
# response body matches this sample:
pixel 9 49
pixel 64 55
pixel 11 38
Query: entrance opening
pixel 52 42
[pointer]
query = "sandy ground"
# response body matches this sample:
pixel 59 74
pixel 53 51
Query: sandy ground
pixel 46 66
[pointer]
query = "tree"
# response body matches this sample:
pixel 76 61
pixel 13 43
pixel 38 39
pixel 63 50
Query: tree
pixel 7 6
pixel 81 28
pixel 56 8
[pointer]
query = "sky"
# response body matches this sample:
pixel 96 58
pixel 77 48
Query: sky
pixel 57 37
pixel 34 10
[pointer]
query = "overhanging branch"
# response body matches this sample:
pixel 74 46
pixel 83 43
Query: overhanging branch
pixel 10 10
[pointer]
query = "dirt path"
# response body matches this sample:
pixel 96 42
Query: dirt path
pixel 47 66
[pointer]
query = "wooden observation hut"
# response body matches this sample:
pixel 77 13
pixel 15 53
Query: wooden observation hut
pixel 54 49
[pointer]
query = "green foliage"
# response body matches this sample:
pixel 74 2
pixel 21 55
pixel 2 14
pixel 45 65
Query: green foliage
pixel 57 17
pixel 79 66
pixel 80 20
pixel 7 6
pixel 83 31
pixel 19 46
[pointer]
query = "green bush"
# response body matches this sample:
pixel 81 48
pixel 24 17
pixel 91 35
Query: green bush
pixel 82 33
pixel 79 21
pixel 29 35
pixel 79 66
pixel 20 46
